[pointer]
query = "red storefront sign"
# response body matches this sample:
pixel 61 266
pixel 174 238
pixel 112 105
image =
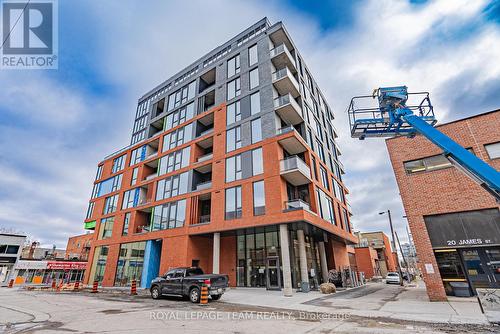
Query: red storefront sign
pixel 59 265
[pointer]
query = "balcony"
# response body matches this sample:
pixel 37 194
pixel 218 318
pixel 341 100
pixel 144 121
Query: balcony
pixel 205 157
pixel 204 185
pixel 288 109
pixel 204 219
pixel 291 144
pixel 296 204
pixel 285 82
pixel 295 171
pixel 281 57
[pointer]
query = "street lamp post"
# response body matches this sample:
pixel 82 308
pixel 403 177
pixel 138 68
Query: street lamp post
pixel 393 243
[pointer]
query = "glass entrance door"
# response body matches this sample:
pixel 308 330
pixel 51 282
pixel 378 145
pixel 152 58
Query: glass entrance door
pixel 273 273
pixel 482 267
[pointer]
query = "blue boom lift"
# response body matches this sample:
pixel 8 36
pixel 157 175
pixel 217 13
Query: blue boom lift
pixel 402 113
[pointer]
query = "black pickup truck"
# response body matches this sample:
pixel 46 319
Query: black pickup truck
pixel 187 282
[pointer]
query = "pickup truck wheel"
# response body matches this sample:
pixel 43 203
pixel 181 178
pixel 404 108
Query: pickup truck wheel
pixel 155 292
pixel 194 295
pixel 216 297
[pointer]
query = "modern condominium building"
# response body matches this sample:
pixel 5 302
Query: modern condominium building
pixel 234 167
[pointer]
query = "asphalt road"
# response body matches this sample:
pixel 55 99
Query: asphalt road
pixel 78 312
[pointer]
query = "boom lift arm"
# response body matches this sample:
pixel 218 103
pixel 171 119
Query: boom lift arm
pixel 396 116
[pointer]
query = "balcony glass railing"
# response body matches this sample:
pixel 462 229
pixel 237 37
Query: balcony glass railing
pixel 280 49
pixel 285 129
pixel 283 100
pixel 205 219
pixel 295 162
pixel 296 204
pixel 285 72
pixel 204 185
pixel 206 157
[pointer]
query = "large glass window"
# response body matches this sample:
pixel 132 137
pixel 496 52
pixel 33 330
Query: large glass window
pixel 233 113
pixel 233 168
pixel 256 130
pixel 169 215
pixel 174 161
pixel 493 150
pixel 428 164
pixel 172 186
pixel 130 263
pixel 233 203
pixel 179 116
pixel 99 263
pixel 253 57
pixel 255 103
pixel 90 210
pixel 259 198
pixel 110 204
pixel 177 137
pixel 107 186
pixel 257 164
pixel 233 66
pixel 106 228
pixel 118 164
pixel 254 78
pixel 130 198
pixel 324 178
pixel 233 88
pixel 337 189
pixel 181 96
pixel 138 155
pixel 233 139
pixel 325 206
pixel 135 173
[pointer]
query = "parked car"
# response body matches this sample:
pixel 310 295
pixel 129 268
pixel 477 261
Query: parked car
pixel 187 282
pixel 392 277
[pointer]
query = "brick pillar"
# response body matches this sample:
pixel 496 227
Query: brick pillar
pixel 433 282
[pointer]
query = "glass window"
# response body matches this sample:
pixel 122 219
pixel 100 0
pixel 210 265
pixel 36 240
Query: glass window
pixel 256 130
pixel 110 204
pixel 130 263
pixel 493 150
pixel 138 155
pixel 169 215
pixel 252 55
pixel 233 203
pixel 427 164
pixel 259 199
pixel 233 168
pixel 126 223
pixel 324 178
pixel 135 172
pixel 172 186
pixel 254 78
pixel 233 66
pixel 345 217
pixel 177 137
pixel 130 198
pixel 233 88
pixel 90 210
pixel 257 165
pixel 233 139
pixel 233 113
pixel 107 186
pixel 99 172
pixel 181 96
pixel 174 161
pixel 179 116
pixel 99 263
pixel 106 228
pixel 255 103
pixel 118 164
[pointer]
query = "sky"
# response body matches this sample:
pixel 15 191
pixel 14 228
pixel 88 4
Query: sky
pixel 56 125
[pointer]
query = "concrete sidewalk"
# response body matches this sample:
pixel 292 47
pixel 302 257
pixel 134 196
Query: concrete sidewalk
pixel 375 300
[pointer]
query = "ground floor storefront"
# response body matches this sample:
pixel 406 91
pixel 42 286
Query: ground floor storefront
pixel 466 247
pixel 45 272
pixel 275 257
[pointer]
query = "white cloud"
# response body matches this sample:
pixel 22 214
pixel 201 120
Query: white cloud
pixel 137 46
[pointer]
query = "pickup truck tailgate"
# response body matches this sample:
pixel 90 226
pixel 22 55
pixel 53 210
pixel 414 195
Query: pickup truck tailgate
pixel 220 281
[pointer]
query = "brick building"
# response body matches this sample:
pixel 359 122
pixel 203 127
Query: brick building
pixel 367 261
pixel 78 247
pixel 379 241
pixel 455 223
pixel 234 167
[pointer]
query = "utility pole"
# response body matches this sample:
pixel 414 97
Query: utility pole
pixel 393 243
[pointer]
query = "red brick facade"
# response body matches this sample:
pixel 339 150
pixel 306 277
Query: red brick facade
pixel 366 261
pixel 78 247
pixel 193 241
pixel 445 190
